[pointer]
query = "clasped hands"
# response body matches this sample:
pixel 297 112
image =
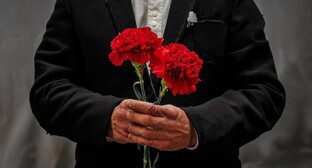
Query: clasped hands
pixel 164 127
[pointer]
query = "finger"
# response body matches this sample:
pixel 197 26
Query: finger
pixel 148 133
pixel 120 137
pixel 170 111
pixel 147 120
pixel 159 144
pixel 144 107
pixel 122 128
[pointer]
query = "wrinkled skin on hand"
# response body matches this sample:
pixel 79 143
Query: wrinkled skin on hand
pixel 164 127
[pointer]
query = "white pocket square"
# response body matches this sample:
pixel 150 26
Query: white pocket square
pixel 192 18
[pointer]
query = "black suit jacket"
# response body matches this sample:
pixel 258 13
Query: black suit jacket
pixel 76 87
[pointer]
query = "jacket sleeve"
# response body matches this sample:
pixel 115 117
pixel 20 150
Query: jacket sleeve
pixel 255 98
pixel 58 98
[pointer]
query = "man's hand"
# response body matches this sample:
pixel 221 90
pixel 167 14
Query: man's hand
pixel 119 124
pixel 165 127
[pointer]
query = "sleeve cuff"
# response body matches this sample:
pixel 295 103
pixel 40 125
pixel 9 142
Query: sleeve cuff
pixel 108 139
pixel 196 145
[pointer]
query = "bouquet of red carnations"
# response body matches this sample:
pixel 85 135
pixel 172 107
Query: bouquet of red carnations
pixel 176 66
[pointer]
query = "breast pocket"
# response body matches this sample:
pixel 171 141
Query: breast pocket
pixel 210 35
pixel 207 38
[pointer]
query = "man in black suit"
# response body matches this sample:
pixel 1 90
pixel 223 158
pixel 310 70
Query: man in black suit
pixel 80 95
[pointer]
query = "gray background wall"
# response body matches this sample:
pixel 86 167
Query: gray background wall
pixel 24 144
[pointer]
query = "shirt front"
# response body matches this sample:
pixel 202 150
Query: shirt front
pixel 152 13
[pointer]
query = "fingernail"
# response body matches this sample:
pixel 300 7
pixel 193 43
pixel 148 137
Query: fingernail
pixel 114 125
pixel 128 104
pixel 128 115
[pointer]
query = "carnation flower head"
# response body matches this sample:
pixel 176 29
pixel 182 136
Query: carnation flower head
pixel 178 66
pixel 134 44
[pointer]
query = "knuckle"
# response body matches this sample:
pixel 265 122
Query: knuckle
pixel 151 142
pixel 153 109
pixel 142 141
pixel 129 115
pixel 119 115
pixel 147 120
pixel 124 103
pixel 146 142
pixel 146 134
pixel 114 124
pixel 151 134
pixel 164 133
pixel 153 122
pixel 128 127
pixel 150 108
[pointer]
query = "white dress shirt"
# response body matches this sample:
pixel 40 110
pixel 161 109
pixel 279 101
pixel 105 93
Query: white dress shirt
pixel 152 13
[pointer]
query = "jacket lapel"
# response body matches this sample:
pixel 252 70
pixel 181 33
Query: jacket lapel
pixel 122 14
pixel 179 11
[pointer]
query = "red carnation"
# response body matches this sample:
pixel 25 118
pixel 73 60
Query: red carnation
pixel 134 44
pixel 178 66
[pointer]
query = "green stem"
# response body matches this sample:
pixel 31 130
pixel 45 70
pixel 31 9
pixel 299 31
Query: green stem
pixel 142 87
pixel 141 95
pixel 149 158
pixel 145 157
pixel 162 92
pixel 139 72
